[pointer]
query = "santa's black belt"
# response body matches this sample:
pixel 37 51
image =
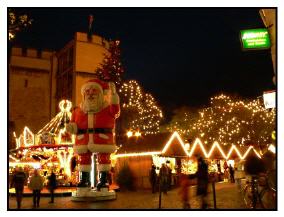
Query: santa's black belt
pixel 94 130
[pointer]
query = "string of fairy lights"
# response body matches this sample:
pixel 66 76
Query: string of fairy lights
pixel 56 128
pixel 139 108
pixel 230 121
pixel 53 132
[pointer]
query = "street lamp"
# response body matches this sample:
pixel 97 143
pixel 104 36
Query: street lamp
pixel 137 134
pixel 129 134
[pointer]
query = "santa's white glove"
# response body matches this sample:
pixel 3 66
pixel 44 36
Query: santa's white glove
pixel 114 95
pixel 112 88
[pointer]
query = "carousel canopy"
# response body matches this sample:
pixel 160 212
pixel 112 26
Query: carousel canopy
pixel 53 133
pixel 59 121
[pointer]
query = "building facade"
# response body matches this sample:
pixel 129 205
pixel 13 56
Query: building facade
pixel 77 63
pixel 269 19
pixel 29 89
pixel 39 80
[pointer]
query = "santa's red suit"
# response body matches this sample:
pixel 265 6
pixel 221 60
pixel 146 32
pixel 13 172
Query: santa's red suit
pixel 95 129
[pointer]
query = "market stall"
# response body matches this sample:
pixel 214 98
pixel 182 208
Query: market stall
pixel 141 153
pixel 51 149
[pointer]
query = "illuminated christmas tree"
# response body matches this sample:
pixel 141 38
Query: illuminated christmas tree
pixel 111 69
pixel 229 121
pixel 181 119
pixel 139 111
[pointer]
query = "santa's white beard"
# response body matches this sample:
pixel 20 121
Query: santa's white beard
pixel 92 105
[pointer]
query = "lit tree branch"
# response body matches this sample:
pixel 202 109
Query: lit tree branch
pixel 139 110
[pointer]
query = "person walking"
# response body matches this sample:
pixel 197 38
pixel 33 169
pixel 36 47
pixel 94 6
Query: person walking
pixel 153 178
pixel 52 186
pixel 163 178
pixel 226 172
pixel 202 181
pixel 169 175
pixel 184 187
pixel 36 185
pixel 237 177
pixel 232 173
pixel 18 182
pixel 219 170
pixel 226 175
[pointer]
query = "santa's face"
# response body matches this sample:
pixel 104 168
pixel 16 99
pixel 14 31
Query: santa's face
pixel 93 99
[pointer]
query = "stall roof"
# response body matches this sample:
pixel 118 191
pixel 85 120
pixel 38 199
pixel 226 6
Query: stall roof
pixel 147 143
pixel 168 143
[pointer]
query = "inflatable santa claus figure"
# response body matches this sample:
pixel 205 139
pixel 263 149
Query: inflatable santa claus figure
pixel 93 122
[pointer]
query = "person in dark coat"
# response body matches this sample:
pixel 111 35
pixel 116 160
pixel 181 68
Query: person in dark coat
pixel 153 178
pixel 232 174
pixel 18 182
pixel 219 170
pixel 184 190
pixel 169 175
pixel 202 181
pixel 163 178
pixel 52 185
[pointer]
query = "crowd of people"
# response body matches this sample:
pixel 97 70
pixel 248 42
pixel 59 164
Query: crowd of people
pixel 163 180
pixel 160 182
pixel 36 184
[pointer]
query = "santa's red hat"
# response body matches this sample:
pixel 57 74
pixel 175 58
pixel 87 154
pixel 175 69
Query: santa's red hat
pixel 101 85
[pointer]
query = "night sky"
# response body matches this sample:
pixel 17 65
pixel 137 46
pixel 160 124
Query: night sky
pixel 183 56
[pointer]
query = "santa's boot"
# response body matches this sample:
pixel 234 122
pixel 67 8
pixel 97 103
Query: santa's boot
pixel 102 181
pixel 85 180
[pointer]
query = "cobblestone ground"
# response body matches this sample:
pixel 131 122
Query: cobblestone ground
pixel 227 197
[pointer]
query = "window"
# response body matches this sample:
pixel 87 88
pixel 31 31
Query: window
pixel 70 57
pixel 24 52
pixel 26 83
pixel 39 54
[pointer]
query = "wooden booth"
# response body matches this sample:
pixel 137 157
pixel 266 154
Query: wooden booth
pixel 139 153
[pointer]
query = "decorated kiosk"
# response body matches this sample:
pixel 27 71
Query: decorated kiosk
pixel 48 150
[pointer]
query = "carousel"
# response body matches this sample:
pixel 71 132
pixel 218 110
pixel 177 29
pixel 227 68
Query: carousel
pixel 50 149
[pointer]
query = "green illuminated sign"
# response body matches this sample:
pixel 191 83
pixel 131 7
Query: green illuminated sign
pixel 255 39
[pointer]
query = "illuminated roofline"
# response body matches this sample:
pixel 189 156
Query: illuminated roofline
pixel 138 154
pixel 18 141
pixel 258 155
pixel 28 131
pixel 175 134
pixel 248 150
pixel 216 144
pixel 231 150
pixel 272 148
pixel 196 142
